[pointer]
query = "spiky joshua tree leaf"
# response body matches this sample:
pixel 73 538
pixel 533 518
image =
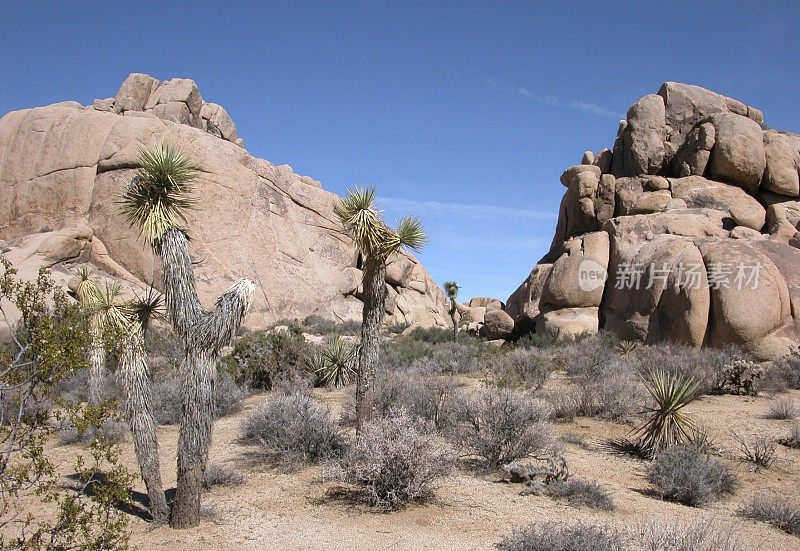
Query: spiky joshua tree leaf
pixel 159 193
pixel 451 288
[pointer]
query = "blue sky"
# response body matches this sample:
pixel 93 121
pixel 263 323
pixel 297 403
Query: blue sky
pixel 464 113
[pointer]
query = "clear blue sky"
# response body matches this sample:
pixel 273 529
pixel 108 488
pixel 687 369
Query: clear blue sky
pixel 464 113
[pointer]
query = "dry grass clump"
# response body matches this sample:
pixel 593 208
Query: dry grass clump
pixel 218 475
pixel 561 536
pixel 701 535
pixel 777 512
pixel 581 493
pixel 685 474
pixel 785 408
pixel 793 440
pixel 291 429
pixel 395 460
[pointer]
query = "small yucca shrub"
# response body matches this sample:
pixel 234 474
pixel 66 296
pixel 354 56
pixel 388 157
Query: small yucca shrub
pixel 666 424
pixel 334 363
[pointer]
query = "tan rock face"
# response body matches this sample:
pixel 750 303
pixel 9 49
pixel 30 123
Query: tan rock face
pixel 63 166
pixel 701 217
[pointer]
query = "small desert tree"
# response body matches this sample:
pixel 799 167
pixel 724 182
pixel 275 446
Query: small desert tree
pixel 155 201
pixel 451 288
pixel 48 345
pixel 88 294
pixel 126 323
pixel 377 242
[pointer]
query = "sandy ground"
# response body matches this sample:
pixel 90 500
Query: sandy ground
pixel 277 510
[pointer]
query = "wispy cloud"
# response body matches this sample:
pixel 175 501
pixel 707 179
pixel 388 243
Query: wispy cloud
pixel 588 107
pixel 463 210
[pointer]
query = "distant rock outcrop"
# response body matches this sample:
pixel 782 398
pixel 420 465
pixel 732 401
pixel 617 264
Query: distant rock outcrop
pixel 62 168
pixel 686 231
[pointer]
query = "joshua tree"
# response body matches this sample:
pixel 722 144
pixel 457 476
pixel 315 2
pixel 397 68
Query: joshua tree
pixel 155 201
pixel 88 294
pixel 376 242
pixel 134 374
pixel 128 322
pixel 451 288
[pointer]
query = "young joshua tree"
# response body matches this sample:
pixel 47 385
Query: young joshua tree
pixel 155 201
pixel 451 288
pixel 128 322
pixel 88 294
pixel 376 242
pixel 134 374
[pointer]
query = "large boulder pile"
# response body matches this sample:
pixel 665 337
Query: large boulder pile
pixel 63 167
pixel 686 231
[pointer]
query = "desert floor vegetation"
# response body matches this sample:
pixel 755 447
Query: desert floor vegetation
pixel 451 420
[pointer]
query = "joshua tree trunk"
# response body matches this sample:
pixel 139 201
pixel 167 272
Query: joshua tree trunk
pixel 97 369
pixel 374 297
pixel 135 380
pixel 204 334
pixel 454 316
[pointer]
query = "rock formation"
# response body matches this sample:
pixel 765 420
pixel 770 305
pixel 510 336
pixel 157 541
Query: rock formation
pixel 686 231
pixel 62 168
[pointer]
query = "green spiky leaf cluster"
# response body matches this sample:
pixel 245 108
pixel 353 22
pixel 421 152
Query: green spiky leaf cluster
pixel 362 219
pixel 451 288
pixel 667 424
pixel 333 363
pixel 159 192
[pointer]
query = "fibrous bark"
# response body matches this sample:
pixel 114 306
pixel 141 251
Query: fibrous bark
pixel 374 297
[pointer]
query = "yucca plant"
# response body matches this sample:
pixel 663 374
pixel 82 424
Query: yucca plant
pixel 627 348
pixel 452 288
pixel 155 202
pixel 335 364
pixel 88 293
pixel 666 425
pixel 377 242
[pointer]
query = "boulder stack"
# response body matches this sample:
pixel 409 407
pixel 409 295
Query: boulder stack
pixel 686 231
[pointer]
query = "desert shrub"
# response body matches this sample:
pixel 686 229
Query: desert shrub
pixel 291 429
pixel 526 367
pixel 218 475
pixel 164 348
pixel 401 351
pixel 785 408
pixel 705 366
pixel 685 474
pixel 395 460
pixel 566 401
pixel 793 440
pixel 591 357
pixel 780 513
pixel 434 399
pixel 228 396
pixel 451 358
pixel 260 358
pixel 501 425
pixel 581 493
pixel 111 430
pixel 552 536
pixel 397 328
pixel 167 397
pixel 433 335
pixel 741 377
pixel 701 535
pixel 759 450
pixel 317 325
pixel 782 373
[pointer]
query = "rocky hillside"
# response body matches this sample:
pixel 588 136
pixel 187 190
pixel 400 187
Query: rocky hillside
pixel 63 166
pixel 685 231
